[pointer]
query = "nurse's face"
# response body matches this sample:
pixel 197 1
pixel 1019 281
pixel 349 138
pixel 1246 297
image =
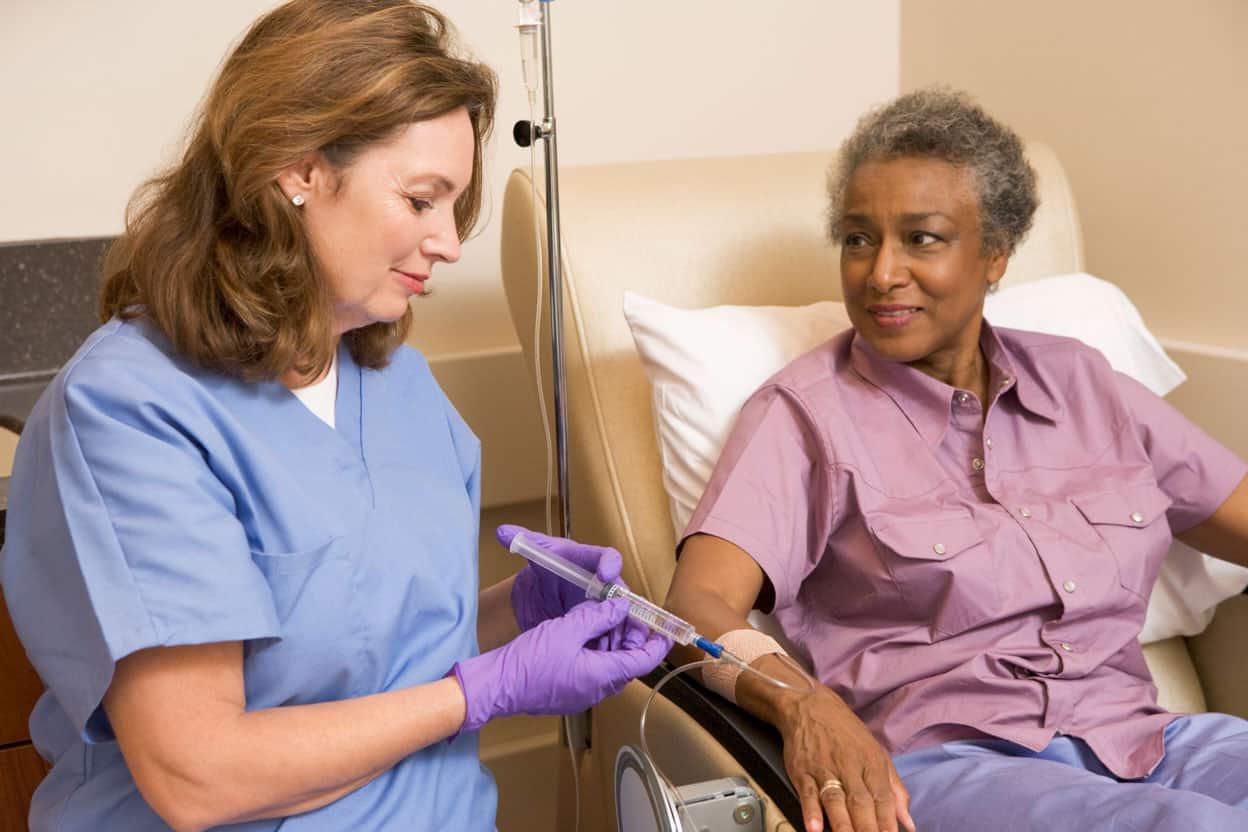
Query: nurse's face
pixel 913 269
pixel 378 227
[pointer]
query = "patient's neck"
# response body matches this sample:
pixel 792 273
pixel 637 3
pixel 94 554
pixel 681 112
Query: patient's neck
pixel 960 369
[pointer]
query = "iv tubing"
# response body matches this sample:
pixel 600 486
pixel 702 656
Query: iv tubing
pixel 657 619
pixel 682 811
pixel 555 274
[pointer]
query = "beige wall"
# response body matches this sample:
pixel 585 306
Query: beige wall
pixel 95 97
pixel 1146 103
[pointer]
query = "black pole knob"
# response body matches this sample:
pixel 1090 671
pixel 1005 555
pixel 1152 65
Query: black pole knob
pixel 524 133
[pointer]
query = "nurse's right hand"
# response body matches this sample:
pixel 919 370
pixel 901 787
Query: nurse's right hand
pixel 538 595
pixel 551 669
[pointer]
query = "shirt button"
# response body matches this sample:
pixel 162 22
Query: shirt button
pixel 1067 646
pixel 1136 517
pixel 1005 382
pixel 987 442
pixel 977 464
pixel 939 548
pixel 1026 515
pixel 962 398
pixel 1069 586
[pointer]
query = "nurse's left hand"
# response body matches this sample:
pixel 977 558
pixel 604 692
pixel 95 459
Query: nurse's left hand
pixel 552 669
pixel 538 595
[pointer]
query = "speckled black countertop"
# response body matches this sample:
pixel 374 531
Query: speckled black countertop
pixel 48 291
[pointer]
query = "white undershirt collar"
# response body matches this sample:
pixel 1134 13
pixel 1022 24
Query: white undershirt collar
pixel 320 396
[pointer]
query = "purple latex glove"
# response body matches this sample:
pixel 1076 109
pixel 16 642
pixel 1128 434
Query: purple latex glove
pixel 538 595
pixel 550 670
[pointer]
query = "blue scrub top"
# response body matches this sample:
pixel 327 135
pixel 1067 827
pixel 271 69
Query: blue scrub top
pixel 154 503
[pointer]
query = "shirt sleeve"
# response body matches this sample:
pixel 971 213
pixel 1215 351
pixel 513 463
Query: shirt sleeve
pixel 769 493
pixel 1196 471
pixel 121 538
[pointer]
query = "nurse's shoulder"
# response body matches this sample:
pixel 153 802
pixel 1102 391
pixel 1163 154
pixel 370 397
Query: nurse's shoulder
pixel 129 369
pixel 409 366
pixel 413 375
pixel 410 375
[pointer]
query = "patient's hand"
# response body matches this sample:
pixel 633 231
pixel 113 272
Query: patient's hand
pixel 826 744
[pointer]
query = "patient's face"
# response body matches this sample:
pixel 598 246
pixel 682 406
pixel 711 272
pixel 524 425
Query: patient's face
pixel 913 270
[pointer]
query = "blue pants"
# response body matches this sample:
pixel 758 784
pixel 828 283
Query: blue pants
pixel 1201 785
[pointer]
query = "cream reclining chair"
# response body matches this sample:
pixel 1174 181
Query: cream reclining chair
pixel 705 232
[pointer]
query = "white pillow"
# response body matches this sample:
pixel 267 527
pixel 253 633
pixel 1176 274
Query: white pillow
pixel 704 363
pixel 1096 312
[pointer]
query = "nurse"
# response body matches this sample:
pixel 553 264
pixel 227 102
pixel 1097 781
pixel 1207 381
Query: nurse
pixel 242 535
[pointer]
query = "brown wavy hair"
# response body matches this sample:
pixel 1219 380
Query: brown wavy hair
pixel 214 254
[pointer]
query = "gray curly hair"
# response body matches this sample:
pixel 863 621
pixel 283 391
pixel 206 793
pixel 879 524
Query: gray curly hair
pixel 938 123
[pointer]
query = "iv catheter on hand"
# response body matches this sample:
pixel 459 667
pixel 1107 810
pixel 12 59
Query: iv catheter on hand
pixel 639 609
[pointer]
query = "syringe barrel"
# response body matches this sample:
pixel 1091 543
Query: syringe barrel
pixel 653 616
pixel 565 569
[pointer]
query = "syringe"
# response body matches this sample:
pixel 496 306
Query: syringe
pixel 652 615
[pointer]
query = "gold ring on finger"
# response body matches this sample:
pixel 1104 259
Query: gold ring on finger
pixel 830 784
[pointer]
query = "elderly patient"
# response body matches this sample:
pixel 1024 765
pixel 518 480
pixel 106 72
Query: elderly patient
pixel 959 525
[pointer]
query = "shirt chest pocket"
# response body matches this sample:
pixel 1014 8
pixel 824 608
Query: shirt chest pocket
pixel 318 646
pixel 295 578
pixel 943 569
pixel 1131 522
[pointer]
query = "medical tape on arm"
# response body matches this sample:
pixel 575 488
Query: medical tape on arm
pixel 749 645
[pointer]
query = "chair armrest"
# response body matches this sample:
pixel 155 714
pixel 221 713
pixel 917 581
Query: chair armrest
pixel 1217 654
pixel 753 743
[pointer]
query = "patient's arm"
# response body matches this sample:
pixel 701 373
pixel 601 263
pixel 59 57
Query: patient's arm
pixel 715 586
pixel 1225 534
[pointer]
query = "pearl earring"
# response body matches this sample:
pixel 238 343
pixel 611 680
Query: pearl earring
pixel 297 200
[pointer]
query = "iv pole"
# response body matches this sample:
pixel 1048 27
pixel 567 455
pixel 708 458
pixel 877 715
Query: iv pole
pixel 525 133
pixel 576 726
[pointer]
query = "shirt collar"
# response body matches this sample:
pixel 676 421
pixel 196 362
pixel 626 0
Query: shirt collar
pixel 1012 368
pixel 927 403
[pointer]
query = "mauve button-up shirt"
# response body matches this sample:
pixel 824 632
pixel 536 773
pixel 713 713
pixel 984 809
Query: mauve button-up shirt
pixel 952 581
